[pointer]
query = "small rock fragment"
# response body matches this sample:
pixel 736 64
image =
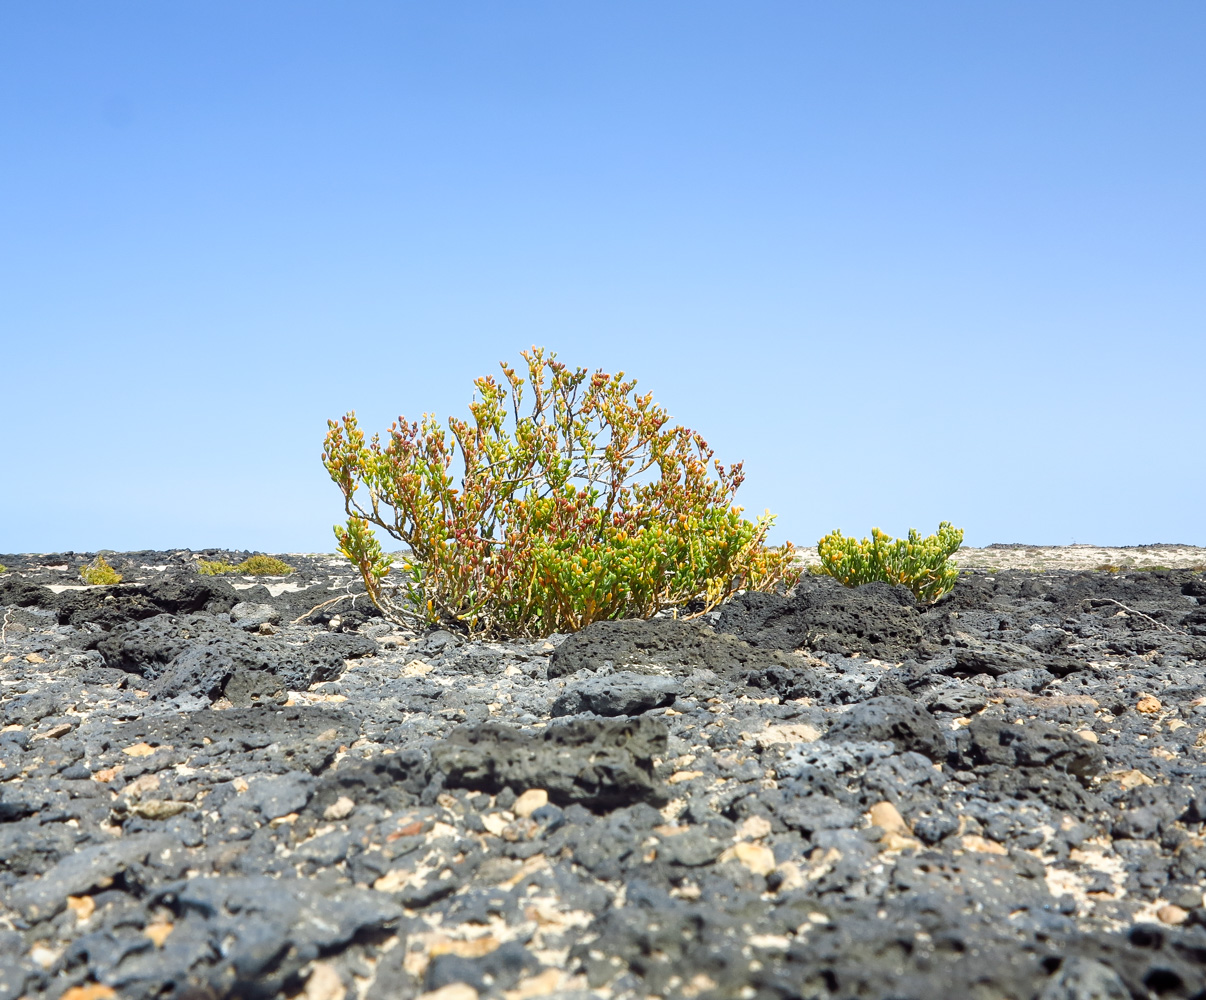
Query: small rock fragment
pixel 529 802
pixel 341 808
pixel 324 983
pixel 887 817
pixel 1148 705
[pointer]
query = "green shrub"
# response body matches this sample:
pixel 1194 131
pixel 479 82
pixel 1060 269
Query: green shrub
pixel 99 573
pixel 3 568
pixel 921 564
pixel 264 566
pixel 252 566
pixel 215 567
pixel 587 506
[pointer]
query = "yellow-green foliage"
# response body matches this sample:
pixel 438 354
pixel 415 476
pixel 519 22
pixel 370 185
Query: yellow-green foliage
pixel 99 573
pixel 3 568
pixel 215 567
pixel 264 566
pixel 921 564
pixel 253 566
pixel 587 506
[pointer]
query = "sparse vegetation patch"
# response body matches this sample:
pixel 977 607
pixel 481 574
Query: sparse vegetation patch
pixel 921 564
pixel 99 573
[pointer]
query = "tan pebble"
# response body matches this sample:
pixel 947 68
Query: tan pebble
pixel 89 991
pixel 467 947
pixel 1087 734
pixel 887 817
pixel 788 733
pixel 1172 914
pixel 530 801
pixel 55 732
pixel 81 906
pixel 453 991
pixel 159 932
pixel 898 842
pixel 1148 705
pixel 680 776
pixel 982 845
pixel 1131 779
pixel 1163 754
pixel 45 957
pixel 754 828
pixel 341 808
pixel 1176 724
pixel 324 983
pixel 138 750
pixel 107 774
pixel 494 823
pixel 140 786
pixel 544 984
pixel 393 880
pixel 790 877
pixel 34 658
pixel 756 857
pixel 158 808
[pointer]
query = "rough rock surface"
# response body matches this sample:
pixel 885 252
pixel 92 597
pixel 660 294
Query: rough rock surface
pixel 219 787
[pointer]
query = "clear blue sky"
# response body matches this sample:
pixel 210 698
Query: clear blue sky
pixel 911 262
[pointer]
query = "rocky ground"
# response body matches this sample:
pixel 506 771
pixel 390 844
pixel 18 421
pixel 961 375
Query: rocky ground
pixel 210 787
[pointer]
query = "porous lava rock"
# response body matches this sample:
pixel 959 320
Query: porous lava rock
pixel 597 763
pixel 199 655
pixel 661 645
pixel 620 693
pixel 899 719
pixel 875 619
pixel 998 795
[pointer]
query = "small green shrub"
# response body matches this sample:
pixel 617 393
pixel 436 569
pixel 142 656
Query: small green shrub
pixel 99 573
pixel 589 506
pixel 3 568
pixel 921 564
pixel 264 566
pixel 215 567
pixel 252 566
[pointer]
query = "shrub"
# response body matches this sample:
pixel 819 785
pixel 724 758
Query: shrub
pixel 587 506
pixel 99 573
pixel 921 564
pixel 3 568
pixel 252 566
pixel 215 567
pixel 264 566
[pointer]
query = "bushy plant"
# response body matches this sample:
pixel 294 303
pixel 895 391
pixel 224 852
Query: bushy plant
pixel 921 564
pixel 258 565
pixel 215 567
pixel 99 573
pixel 586 506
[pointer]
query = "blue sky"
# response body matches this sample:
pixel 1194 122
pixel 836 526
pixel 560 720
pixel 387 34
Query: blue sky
pixel 911 262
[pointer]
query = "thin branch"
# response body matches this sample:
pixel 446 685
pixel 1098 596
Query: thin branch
pixel 1132 611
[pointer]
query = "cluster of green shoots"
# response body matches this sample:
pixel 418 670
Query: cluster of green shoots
pixel 921 564
pixel 99 573
pixel 258 565
pixel 587 505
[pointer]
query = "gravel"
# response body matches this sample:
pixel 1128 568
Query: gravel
pixel 221 787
